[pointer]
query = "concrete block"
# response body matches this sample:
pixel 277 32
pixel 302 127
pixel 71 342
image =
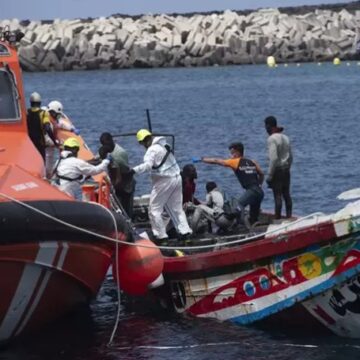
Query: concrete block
pixel 345 44
pixel 29 38
pixel 177 41
pixel 29 65
pixel 122 35
pixel 130 27
pixel 129 42
pixel 51 62
pixel 45 38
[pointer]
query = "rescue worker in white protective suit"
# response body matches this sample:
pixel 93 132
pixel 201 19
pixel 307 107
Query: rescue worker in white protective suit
pixel 166 193
pixel 57 121
pixel 71 171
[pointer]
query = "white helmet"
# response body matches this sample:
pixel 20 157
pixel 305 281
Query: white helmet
pixel 55 106
pixel 35 98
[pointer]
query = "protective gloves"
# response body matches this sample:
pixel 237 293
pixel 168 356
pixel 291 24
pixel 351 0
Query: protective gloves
pixel 75 131
pixel 196 159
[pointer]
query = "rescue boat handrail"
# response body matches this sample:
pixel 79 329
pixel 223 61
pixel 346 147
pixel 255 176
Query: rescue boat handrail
pixel 117 241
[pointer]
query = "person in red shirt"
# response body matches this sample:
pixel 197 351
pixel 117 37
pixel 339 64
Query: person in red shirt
pixel 250 176
pixel 189 175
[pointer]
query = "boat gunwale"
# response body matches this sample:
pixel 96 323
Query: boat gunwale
pixel 249 252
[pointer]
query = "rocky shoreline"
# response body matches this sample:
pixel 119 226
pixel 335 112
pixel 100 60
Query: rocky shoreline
pixel 194 40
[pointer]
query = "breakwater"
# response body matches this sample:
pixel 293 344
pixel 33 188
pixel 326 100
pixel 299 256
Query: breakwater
pixel 178 40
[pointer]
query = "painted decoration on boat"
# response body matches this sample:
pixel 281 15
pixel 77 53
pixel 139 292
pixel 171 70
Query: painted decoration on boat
pixel 251 295
pixel 339 308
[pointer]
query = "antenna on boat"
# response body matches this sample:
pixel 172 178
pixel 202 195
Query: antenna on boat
pixel 148 119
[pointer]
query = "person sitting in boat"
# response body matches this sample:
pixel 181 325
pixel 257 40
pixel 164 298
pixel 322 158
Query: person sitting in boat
pixel 38 124
pixel 58 121
pixel 250 176
pixel 211 209
pixel 189 175
pixel 166 193
pixel 120 174
pixel 70 171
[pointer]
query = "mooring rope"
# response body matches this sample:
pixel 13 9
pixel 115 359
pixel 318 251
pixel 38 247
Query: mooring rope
pixel 196 247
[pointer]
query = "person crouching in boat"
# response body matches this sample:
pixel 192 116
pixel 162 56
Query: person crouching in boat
pixel 58 121
pixel 38 123
pixel 211 210
pixel 166 193
pixel 71 171
pixel 250 176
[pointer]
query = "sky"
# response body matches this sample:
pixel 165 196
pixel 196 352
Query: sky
pixel 70 9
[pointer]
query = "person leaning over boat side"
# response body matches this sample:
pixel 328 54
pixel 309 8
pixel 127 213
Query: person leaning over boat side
pixel 38 124
pixel 70 171
pixel 212 209
pixel 166 192
pixel 250 176
pixel 57 121
pixel 280 157
pixel 120 174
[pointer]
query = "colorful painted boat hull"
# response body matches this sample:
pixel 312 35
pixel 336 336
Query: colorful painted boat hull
pixel 315 266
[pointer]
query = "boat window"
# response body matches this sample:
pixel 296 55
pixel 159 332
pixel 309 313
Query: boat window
pixel 9 105
pixel 3 50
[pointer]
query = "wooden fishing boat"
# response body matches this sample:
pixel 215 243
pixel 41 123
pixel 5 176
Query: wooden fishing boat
pixel 300 273
pixel 54 251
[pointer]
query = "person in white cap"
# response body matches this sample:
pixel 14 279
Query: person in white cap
pixel 166 193
pixel 58 121
pixel 38 123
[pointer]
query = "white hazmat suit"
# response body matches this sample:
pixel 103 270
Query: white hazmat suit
pixel 70 171
pixel 166 190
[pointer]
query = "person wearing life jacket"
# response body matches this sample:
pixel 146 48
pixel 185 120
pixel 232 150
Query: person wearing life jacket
pixel 38 123
pixel 280 160
pixel 249 175
pixel 166 193
pixel 212 209
pixel 120 174
pixel 70 171
pixel 58 121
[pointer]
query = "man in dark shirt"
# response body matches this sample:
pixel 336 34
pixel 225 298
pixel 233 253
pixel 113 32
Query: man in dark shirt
pixel 121 177
pixel 250 176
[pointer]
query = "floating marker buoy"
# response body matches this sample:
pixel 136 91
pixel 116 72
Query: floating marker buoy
pixel 348 64
pixel 298 64
pixel 271 62
pixel 319 63
pixel 286 65
pixel 337 61
pixel 138 267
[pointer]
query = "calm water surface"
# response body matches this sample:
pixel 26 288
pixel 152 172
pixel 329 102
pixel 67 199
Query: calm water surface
pixel 207 108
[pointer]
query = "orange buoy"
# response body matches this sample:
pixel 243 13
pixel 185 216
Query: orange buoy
pixel 138 266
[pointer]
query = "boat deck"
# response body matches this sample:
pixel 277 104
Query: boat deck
pixel 215 240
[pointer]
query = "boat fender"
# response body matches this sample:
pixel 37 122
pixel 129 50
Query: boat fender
pixel 138 267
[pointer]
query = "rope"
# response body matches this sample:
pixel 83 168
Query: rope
pixel 72 226
pixel 117 241
pixel 117 319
